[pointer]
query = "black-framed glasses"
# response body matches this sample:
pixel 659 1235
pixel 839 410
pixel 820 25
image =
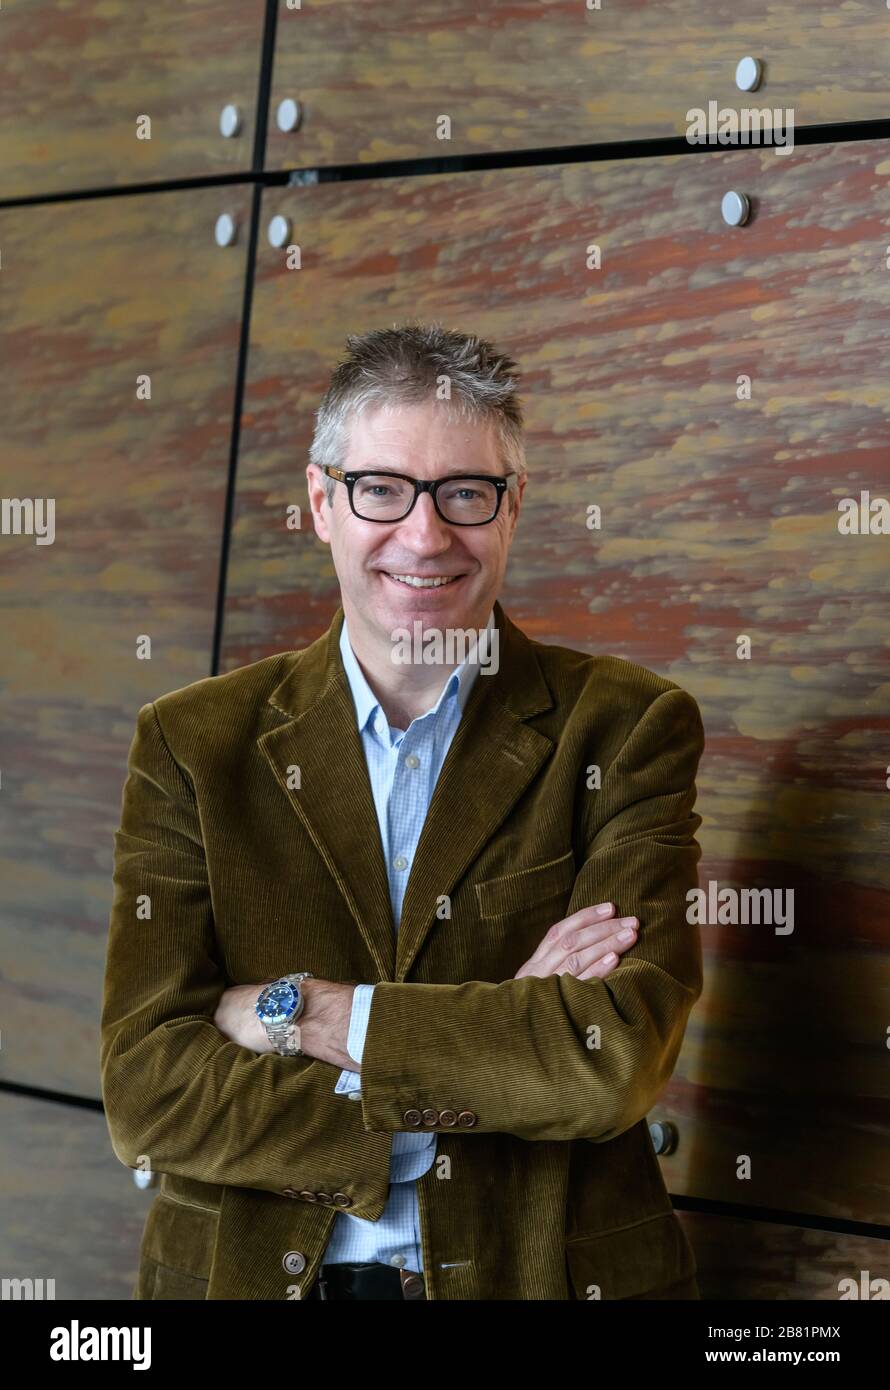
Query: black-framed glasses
pixel 461 499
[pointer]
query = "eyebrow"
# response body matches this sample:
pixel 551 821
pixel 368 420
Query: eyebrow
pixel 375 467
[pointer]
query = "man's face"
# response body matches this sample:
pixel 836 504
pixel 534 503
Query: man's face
pixel 417 440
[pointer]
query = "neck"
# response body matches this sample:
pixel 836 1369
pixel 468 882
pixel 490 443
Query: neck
pixel 405 691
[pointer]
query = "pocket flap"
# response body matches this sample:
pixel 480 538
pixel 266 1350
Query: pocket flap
pixel 630 1262
pixel 180 1234
pixel 520 890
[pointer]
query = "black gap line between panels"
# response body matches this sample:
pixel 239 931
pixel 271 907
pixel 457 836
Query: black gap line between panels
pixel 775 1216
pixel 703 1206
pixel 846 132
pixel 235 433
pixel 264 92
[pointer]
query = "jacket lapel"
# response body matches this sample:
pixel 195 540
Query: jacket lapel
pixel 492 759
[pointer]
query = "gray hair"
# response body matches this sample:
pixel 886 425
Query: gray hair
pixel 405 366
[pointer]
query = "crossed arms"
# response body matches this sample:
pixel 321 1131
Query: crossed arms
pixel 181 1094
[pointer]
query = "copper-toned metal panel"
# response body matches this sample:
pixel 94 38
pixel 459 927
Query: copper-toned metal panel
pixel 719 519
pixel 743 1259
pixel 77 82
pixel 69 1211
pixel 100 297
pixel 379 82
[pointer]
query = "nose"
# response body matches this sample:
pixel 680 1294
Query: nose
pixel 424 525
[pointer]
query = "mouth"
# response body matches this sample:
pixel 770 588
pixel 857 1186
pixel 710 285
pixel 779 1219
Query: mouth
pixel 430 584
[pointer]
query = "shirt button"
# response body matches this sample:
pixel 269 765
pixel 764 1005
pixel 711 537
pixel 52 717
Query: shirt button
pixel 400 862
pixel 399 1261
pixel 354 1095
pixel 412 760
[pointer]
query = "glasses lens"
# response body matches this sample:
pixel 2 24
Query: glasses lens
pixel 383 497
pixel 468 500
pixel 380 497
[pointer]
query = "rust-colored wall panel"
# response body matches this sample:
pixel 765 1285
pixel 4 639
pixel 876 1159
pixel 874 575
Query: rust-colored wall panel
pixel 741 1260
pixel 719 519
pixel 96 295
pixel 374 81
pixel 76 77
pixel 69 1211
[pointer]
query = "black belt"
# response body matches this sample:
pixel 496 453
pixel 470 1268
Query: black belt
pixel 367 1281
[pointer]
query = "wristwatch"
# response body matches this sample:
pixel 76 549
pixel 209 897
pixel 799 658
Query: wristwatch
pixel 279 1006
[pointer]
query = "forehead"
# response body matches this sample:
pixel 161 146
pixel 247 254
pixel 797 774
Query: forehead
pixel 426 433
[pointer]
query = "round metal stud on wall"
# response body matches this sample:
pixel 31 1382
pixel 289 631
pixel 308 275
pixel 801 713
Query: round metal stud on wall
pixel 748 74
pixel 288 114
pixel 229 121
pixel 225 231
pixel 735 208
pixel 278 231
pixel 664 1136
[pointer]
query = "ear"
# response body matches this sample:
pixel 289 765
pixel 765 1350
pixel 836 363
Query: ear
pixel 318 502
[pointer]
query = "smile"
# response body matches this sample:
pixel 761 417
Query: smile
pixel 434 582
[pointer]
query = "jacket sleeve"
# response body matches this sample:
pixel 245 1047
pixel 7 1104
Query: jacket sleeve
pixel 180 1097
pixel 562 1058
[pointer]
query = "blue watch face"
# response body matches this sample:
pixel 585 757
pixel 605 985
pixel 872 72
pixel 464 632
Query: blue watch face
pixel 277 1002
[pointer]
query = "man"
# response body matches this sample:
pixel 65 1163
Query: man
pixel 474 871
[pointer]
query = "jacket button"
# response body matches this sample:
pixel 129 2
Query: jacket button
pixel 294 1262
pixel 341 1200
pixel 307 1195
pixel 412 1118
pixel 448 1117
pixel 289 1192
pixel 466 1118
pixel 324 1197
pixel 430 1117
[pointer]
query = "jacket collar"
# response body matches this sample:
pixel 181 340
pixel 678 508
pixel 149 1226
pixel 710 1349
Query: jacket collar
pixel 491 760
pixel 459 683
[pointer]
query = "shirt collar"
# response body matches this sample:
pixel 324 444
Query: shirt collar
pixel 459 682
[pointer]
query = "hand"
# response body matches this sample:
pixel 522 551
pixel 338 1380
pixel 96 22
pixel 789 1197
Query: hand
pixel 236 1016
pixel 321 1029
pixel 586 945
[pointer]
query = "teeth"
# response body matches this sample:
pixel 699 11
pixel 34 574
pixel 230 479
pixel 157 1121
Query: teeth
pixel 424 583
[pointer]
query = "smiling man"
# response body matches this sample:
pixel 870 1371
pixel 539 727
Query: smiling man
pixel 415 961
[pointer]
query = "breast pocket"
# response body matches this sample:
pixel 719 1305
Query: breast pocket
pixel 528 894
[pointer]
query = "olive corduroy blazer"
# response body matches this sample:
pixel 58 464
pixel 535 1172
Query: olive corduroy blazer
pixel 249 847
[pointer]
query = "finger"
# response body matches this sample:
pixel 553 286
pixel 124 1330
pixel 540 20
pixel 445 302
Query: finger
pixel 623 929
pixel 578 961
pixel 614 934
pixel 585 916
pixel 600 968
pixel 602 915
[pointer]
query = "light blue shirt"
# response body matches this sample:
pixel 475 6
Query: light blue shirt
pixel 403 767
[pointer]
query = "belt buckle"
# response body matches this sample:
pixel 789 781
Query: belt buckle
pixel 412 1284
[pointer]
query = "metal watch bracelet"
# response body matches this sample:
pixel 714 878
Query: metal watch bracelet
pixel 283 1035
